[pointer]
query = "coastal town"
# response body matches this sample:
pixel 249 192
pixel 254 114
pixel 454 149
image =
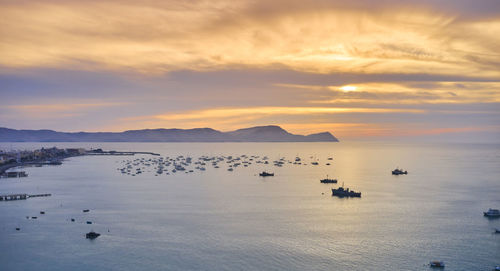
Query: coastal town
pixel 46 156
pixel 39 157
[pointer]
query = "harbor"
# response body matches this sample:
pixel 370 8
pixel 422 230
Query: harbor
pixel 98 201
pixel 50 157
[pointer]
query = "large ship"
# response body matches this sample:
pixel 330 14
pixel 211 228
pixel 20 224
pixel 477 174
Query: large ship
pixel 341 192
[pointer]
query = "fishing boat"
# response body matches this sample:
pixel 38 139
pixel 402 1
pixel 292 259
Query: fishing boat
pixel 398 171
pixel 345 192
pixel 327 180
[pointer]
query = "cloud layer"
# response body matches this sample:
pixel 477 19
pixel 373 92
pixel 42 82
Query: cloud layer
pixel 410 67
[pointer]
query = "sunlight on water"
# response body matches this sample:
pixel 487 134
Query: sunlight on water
pixel 221 220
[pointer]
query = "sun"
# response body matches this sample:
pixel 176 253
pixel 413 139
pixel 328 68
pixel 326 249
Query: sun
pixel 348 88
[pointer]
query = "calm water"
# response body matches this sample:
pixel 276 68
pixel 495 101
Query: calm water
pixel 220 220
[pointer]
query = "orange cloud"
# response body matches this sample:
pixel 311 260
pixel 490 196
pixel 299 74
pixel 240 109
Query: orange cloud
pixel 171 35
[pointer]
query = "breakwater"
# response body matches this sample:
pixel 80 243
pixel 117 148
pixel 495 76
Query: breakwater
pixel 10 197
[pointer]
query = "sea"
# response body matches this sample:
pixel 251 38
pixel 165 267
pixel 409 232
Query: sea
pixel 236 220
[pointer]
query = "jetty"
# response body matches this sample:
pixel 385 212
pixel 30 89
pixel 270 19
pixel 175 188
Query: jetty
pixel 21 196
pixel 101 152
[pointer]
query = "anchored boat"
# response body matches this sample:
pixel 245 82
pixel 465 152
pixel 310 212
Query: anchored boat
pixel 327 180
pixel 341 192
pixel 436 264
pixel 92 235
pixel 492 213
pixel 398 171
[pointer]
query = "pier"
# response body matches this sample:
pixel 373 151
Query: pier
pixel 14 174
pixel 101 152
pixel 21 196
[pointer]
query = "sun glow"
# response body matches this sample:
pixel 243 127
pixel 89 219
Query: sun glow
pixel 348 88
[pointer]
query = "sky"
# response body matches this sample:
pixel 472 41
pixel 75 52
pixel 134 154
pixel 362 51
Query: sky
pixel 358 69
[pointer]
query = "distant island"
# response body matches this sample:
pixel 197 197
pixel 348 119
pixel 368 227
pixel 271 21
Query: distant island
pixel 269 133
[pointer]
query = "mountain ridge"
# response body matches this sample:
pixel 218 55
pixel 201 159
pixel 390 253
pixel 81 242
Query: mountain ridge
pixel 269 133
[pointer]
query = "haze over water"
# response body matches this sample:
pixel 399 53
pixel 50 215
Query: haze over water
pixel 220 220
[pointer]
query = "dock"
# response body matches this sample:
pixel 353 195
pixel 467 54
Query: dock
pixel 14 174
pixel 21 196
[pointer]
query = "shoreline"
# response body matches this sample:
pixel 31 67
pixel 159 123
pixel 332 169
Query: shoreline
pixel 58 160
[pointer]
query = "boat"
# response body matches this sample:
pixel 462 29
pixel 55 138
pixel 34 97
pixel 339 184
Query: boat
pixel 265 174
pixel 92 235
pixel 492 213
pixel 326 180
pixel 497 231
pixel 497 268
pixel 398 171
pixel 86 210
pixel 341 192
pixel 436 264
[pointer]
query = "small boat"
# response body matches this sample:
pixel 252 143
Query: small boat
pixel 497 268
pixel 89 222
pixel 326 180
pixel 42 212
pixel 34 217
pixel 265 174
pixel 92 235
pixel 398 171
pixel 436 264
pixel 497 231
pixel 492 213
pixel 18 229
pixel 72 220
pixel 86 210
